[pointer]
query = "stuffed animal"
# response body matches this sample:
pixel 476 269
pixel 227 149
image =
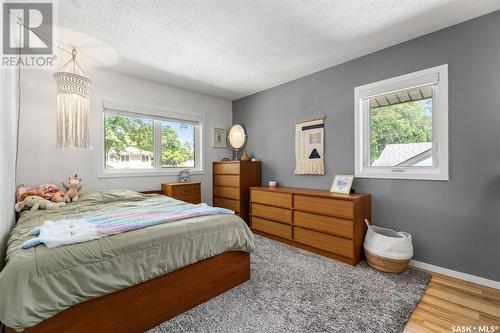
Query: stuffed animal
pixel 49 190
pixel 58 197
pixel 45 191
pixel 35 202
pixel 23 192
pixel 72 188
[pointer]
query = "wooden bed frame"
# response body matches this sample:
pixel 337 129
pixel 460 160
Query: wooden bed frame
pixel 146 305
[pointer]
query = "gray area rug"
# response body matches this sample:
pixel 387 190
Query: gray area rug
pixel 292 290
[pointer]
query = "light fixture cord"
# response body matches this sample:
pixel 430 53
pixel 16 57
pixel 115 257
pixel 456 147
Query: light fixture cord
pixel 72 52
pixel 41 37
pixel 18 111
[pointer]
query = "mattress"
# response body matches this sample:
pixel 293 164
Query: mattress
pixel 37 283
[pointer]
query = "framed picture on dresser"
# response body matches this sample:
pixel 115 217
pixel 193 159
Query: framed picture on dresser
pixel 342 184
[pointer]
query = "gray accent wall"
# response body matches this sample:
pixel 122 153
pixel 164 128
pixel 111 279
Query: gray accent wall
pixel 455 224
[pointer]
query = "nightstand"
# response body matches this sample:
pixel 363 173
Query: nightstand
pixel 189 192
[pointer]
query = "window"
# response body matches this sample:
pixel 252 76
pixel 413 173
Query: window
pixel 151 142
pixel 127 140
pixel 177 143
pixel 401 126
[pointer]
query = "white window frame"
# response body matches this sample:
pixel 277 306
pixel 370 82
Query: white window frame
pixel 362 94
pixel 112 107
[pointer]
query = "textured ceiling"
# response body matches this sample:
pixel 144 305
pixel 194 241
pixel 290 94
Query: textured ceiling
pixel 232 49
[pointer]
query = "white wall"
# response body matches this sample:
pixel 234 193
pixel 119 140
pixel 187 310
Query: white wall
pixel 41 162
pixel 7 155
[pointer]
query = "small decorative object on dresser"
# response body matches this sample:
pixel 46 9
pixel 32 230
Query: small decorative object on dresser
pixel 245 156
pixel 232 181
pixel 319 221
pixel 188 192
pixel 342 184
pixel 219 138
pixel 184 176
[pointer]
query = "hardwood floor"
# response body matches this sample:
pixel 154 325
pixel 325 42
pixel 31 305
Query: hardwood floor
pixel 449 303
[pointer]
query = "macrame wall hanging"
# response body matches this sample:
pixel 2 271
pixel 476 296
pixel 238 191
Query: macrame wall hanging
pixel 73 105
pixel 310 143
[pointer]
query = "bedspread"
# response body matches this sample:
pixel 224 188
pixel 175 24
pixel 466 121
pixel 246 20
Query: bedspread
pixel 39 282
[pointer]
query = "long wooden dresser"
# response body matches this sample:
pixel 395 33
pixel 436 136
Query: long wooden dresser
pixel 232 181
pixel 318 221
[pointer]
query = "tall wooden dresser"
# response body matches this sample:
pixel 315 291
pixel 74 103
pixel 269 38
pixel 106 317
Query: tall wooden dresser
pixel 232 181
pixel 319 221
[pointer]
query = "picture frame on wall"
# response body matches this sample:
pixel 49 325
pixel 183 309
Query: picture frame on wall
pixel 342 184
pixel 219 138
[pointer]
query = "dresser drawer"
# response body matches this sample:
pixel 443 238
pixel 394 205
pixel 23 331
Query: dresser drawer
pixel 227 180
pixel 227 192
pixel 194 199
pixel 272 213
pixel 227 203
pixel 331 225
pixel 227 168
pixel 334 244
pixel 271 227
pixel 334 207
pixel 189 189
pixel 272 198
pixel 189 192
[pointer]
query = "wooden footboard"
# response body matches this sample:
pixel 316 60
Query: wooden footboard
pixel 141 307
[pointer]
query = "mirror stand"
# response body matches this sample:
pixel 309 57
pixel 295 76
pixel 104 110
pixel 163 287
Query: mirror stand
pixel 237 139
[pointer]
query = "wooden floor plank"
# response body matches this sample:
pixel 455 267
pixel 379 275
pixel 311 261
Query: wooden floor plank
pixel 449 302
pixel 469 288
pixel 417 326
pixel 457 309
pixel 433 319
pixel 450 316
pixel 466 286
pixel 478 303
pixel 489 320
pixel 476 293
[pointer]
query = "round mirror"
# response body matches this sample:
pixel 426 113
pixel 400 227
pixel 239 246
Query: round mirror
pixel 237 137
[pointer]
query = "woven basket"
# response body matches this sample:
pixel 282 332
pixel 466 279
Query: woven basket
pixel 386 264
pixel 387 250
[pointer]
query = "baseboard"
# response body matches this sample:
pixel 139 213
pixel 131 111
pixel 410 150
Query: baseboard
pixel 455 274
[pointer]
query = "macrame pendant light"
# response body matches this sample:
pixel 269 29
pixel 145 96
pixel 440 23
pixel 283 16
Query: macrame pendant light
pixel 73 106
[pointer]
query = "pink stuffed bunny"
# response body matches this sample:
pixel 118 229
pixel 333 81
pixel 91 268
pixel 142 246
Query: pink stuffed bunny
pixel 72 188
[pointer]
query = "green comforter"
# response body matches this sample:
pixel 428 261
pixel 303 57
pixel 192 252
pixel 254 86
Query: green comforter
pixel 39 282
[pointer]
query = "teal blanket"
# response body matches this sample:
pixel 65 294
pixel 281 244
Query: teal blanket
pixel 65 232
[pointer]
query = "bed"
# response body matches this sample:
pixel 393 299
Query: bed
pixel 128 282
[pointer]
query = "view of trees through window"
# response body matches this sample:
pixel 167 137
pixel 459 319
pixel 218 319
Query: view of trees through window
pixel 129 143
pixel 401 133
pixel 177 144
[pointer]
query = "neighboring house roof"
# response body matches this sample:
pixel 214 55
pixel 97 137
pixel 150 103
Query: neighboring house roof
pixel 405 154
pixel 135 151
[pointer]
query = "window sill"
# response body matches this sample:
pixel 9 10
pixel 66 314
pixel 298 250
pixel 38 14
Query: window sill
pixel 143 173
pixel 409 175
